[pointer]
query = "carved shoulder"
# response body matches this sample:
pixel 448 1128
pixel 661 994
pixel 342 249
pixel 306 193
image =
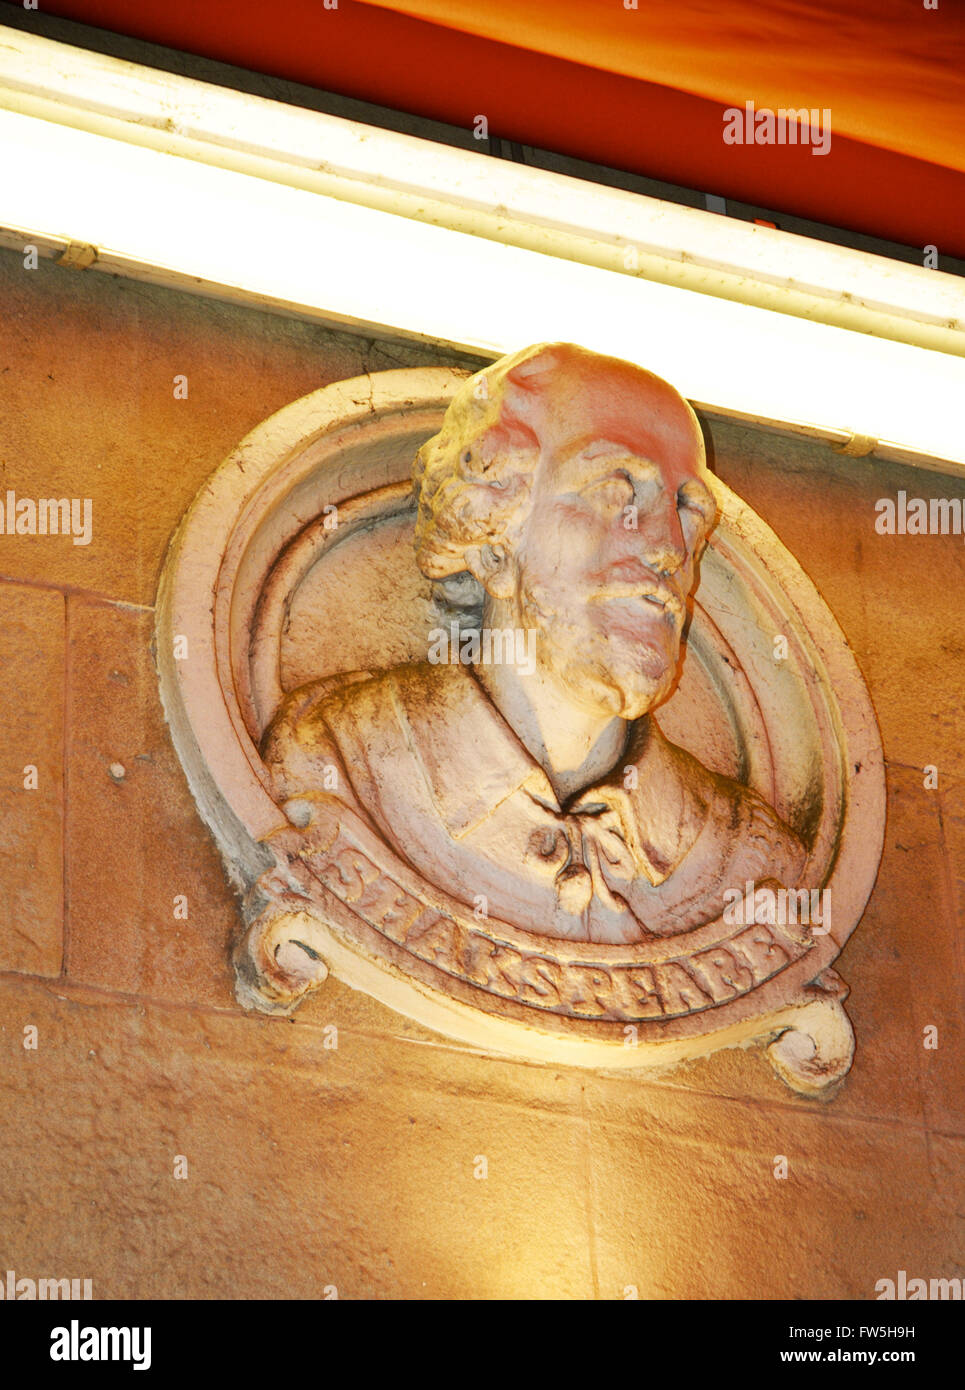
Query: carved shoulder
pixel 760 845
pixel 769 847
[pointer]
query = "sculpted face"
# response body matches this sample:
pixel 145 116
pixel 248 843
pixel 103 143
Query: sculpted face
pixel 620 510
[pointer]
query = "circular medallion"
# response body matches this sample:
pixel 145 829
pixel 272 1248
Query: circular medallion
pixel 294 569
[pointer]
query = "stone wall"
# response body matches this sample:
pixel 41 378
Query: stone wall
pixel 312 1167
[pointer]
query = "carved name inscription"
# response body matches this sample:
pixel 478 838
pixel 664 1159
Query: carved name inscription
pixel 625 991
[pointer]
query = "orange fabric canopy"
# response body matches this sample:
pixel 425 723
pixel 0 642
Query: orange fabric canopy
pixel 640 88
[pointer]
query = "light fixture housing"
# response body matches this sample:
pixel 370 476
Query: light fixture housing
pixel 135 171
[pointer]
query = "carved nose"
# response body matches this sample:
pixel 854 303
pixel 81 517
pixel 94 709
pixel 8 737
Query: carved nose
pixel 666 556
pixel 663 542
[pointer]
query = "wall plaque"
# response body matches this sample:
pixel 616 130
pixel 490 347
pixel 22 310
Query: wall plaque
pixel 503 709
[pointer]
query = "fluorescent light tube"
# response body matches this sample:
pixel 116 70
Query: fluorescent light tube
pixel 184 222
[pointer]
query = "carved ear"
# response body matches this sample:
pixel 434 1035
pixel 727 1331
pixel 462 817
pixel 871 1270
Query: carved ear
pixel 493 567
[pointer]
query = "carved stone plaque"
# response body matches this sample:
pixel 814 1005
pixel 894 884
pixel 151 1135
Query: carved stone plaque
pixel 504 710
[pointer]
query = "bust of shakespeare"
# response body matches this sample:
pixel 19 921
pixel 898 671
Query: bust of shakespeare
pixel 562 510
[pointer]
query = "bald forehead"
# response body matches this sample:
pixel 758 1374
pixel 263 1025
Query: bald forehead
pixel 588 397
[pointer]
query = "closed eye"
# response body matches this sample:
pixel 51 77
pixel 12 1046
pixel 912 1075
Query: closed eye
pixel 614 491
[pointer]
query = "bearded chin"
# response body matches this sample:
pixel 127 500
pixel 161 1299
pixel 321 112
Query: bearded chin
pixel 593 671
pixel 626 694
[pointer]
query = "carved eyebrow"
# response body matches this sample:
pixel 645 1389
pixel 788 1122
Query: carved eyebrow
pixel 596 445
pixel 605 453
pixel 609 448
pixel 606 475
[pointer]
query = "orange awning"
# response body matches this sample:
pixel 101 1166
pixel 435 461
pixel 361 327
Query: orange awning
pixel 640 89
